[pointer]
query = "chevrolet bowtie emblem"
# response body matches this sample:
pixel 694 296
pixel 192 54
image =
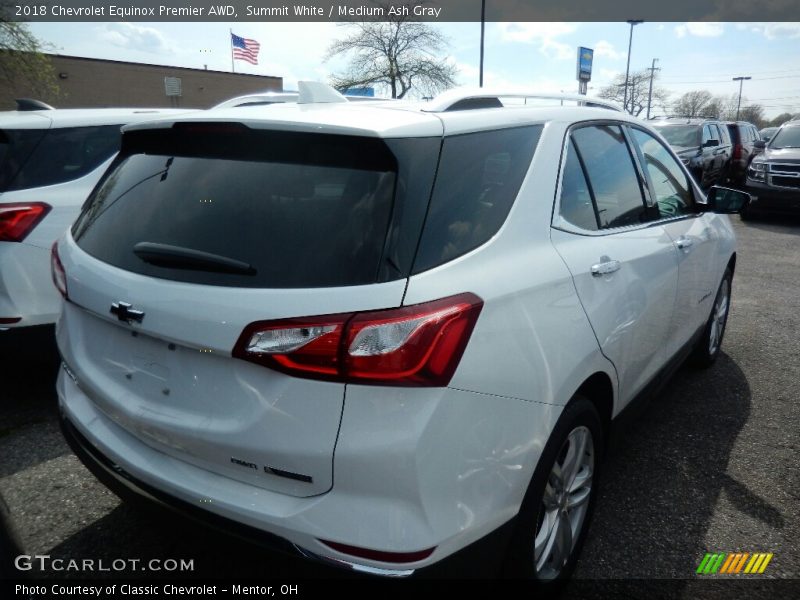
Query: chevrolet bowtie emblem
pixel 125 313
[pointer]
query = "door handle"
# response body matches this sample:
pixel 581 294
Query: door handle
pixel 604 268
pixel 683 243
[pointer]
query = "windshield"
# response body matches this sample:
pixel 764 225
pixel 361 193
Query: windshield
pixel 786 137
pixel 680 135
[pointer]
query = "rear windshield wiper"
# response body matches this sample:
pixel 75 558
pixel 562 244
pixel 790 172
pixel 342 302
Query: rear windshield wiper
pixel 177 257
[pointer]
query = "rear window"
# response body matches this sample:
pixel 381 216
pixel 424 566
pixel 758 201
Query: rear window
pixel 287 210
pixel 36 158
pixel 478 179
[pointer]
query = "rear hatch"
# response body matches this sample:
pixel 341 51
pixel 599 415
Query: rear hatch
pixel 206 228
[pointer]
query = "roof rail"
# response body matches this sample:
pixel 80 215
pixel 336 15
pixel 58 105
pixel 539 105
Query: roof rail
pixel 31 104
pixel 469 98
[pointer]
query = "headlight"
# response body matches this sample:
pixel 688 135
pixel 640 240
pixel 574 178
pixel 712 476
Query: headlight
pixel 757 171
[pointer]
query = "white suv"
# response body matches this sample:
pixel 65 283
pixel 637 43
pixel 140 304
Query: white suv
pixel 49 162
pixel 377 334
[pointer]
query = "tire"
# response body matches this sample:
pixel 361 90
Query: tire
pixel 746 214
pixel 533 553
pixel 707 348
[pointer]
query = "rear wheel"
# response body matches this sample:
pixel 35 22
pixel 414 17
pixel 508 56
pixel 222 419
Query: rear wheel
pixel 708 346
pixel 555 513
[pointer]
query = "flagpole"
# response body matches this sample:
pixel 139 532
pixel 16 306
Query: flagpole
pixel 230 40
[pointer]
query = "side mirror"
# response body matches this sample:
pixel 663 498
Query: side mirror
pixel 711 143
pixel 726 201
pixel 760 144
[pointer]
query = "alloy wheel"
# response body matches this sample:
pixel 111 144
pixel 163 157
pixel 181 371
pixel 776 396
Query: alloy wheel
pixel 564 504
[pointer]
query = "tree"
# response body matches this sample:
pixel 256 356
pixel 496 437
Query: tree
pixel 781 119
pixel 22 64
pixel 754 113
pixel 697 103
pixel 638 92
pixel 398 53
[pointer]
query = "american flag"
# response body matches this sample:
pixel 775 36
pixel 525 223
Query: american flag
pixel 244 49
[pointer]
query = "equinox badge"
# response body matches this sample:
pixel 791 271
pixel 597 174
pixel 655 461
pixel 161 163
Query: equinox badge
pixel 125 313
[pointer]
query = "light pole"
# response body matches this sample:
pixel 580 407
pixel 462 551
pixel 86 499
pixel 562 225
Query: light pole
pixel 483 24
pixel 628 68
pixel 652 70
pixel 739 103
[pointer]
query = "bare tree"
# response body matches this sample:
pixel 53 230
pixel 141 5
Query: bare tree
pixel 399 53
pixel 753 113
pixel 22 63
pixel 697 103
pixel 781 119
pixel 638 92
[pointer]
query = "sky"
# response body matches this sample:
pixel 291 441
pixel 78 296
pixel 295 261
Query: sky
pixel 540 56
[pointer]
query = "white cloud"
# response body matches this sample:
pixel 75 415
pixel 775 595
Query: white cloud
pixel 135 37
pixel 773 31
pixel 542 35
pixel 606 49
pixel 700 29
pixel 530 33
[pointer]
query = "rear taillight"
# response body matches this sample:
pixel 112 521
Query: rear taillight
pixel 737 151
pixel 17 219
pixel 57 270
pixel 419 345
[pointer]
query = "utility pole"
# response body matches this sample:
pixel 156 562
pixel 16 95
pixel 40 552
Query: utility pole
pixel 483 25
pixel 652 70
pixel 741 80
pixel 628 68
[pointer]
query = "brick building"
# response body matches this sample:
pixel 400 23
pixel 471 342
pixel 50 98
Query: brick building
pixel 91 82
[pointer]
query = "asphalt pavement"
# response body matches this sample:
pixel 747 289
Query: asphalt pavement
pixel 711 464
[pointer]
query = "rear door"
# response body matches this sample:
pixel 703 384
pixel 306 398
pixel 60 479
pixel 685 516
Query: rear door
pixel 194 235
pixel 624 267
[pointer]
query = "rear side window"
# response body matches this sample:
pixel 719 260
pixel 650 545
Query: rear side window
pixel 291 209
pixel 64 155
pixel 16 146
pixel 576 197
pixel 612 176
pixel 478 179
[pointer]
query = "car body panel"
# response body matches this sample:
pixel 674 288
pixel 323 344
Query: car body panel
pixel 25 282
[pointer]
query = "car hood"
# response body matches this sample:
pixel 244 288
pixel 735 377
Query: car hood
pixel 789 155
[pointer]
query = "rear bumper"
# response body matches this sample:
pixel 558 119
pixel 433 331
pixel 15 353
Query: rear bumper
pixel 288 524
pixel 129 488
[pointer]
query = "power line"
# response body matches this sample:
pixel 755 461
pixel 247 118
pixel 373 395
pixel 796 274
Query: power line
pixel 728 80
pixel 756 72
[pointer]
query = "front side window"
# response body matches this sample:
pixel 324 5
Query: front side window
pixel 707 135
pixel 611 174
pixel 672 190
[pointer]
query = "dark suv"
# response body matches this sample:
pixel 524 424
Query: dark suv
pixel 703 145
pixel 773 178
pixel 743 136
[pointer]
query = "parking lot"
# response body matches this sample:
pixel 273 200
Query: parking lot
pixel 710 464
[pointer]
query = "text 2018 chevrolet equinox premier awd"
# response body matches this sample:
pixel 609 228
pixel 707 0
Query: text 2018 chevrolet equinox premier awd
pixel 380 333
